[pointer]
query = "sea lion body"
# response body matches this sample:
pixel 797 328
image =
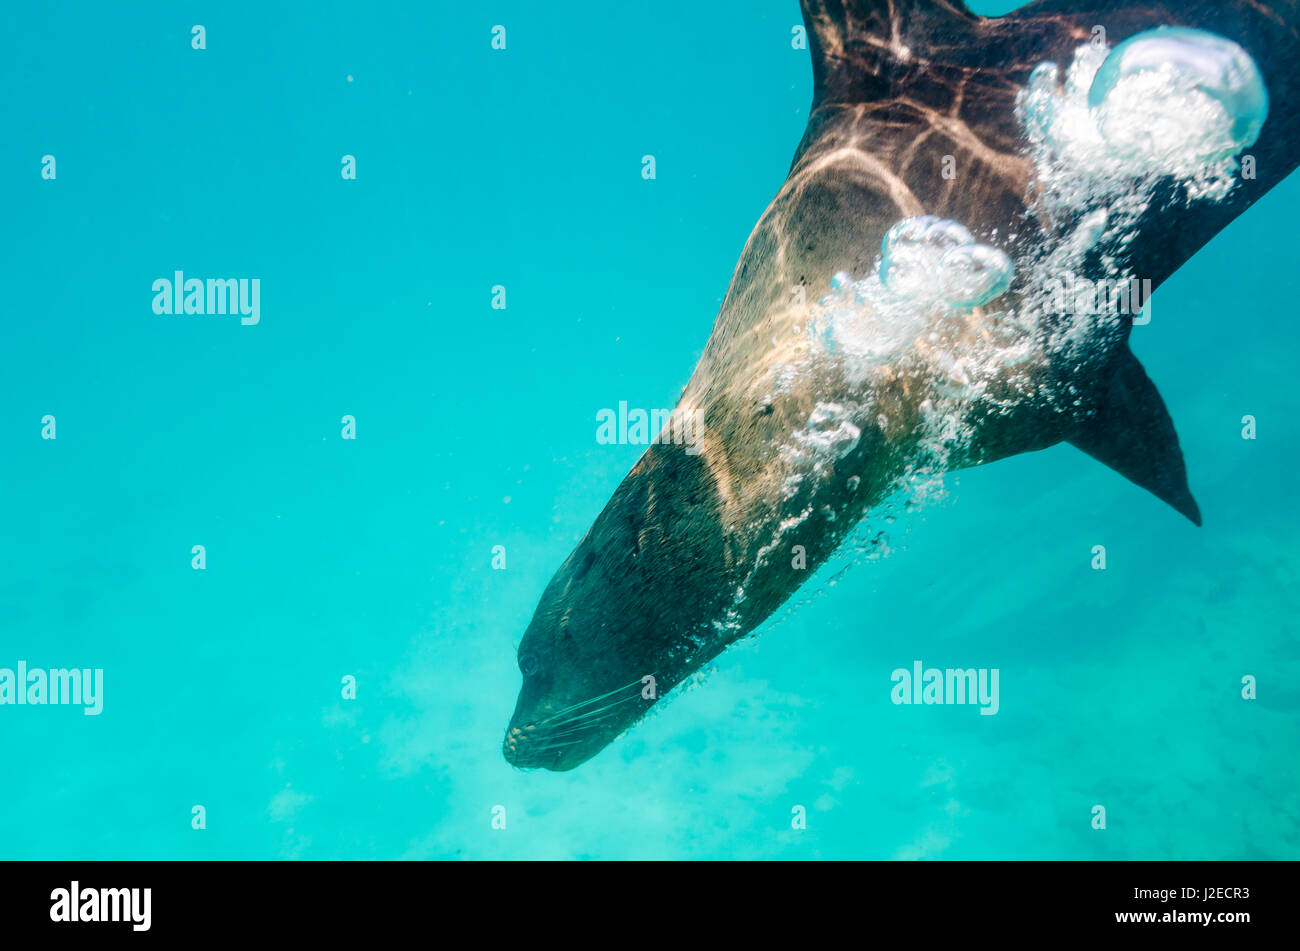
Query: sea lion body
pixel 697 548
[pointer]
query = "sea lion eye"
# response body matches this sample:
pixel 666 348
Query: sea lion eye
pixel 528 664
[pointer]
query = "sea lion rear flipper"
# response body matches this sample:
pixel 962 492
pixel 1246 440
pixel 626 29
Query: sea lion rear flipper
pixel 1131 432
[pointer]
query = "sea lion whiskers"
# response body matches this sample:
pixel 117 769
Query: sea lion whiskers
pixel 584 703
pixel 586 716
pixel 571 729
pixel 582 728
pixel 554 746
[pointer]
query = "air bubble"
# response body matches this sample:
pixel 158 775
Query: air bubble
pixel 1176 88
pixel 934 259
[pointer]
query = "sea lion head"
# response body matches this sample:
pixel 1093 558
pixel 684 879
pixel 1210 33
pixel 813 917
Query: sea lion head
pixel 617 626
pixel 582 671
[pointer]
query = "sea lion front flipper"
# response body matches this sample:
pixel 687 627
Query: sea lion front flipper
pixel 1132 433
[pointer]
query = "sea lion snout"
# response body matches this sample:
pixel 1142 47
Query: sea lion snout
pixel 515 746
pixel 524 752
pixel 548 734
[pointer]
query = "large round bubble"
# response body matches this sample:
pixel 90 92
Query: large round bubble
pixel 975 274
pixel 931 258
pixel 1175 90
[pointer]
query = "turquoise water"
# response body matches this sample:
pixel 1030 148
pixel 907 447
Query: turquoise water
pixel 475 426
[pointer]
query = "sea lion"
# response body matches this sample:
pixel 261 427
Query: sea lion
pixel 932 130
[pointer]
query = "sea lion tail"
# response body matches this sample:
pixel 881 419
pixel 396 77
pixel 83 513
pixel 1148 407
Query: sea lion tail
pixel 1132 433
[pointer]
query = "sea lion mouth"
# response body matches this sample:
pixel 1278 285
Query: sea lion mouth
pixel 560 737
pixel 526 748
